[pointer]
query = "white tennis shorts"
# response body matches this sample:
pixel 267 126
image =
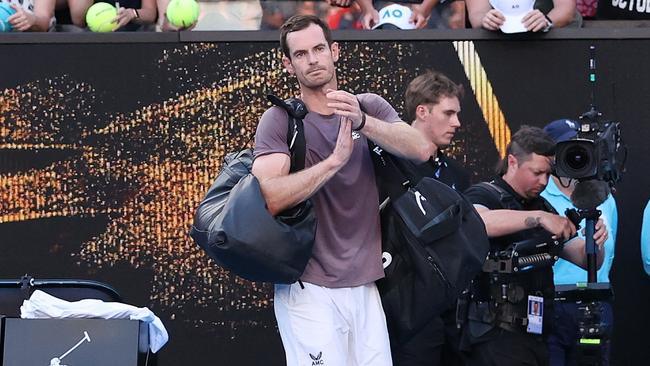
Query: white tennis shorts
pixel 332 326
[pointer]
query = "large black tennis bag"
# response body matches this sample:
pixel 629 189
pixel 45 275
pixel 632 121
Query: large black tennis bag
pixel 433 242
pixel 234 227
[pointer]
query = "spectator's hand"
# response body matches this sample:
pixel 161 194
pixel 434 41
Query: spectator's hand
pixel 559 226
pixel 418 18
pixel 534 21
pixel 124 17
pixel 22 20
pixel 369 19
pixel 168 27
pixel 341 3
pixel 493 20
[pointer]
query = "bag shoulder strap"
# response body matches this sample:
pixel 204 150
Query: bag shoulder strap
pixel 296 111
pixel 548 206
pixel 389 169
pixel 506 199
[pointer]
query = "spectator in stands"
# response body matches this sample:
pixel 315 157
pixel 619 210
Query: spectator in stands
pixel 308 8
pixel 419 17
pixel 32 15
pixel 229 15
pixel 219 15
pixel 344 17
pixel 452 12
pixel 545 15
pixel 276 12
pixel 132 15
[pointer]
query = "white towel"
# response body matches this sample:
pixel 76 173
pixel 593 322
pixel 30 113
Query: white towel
pixel 42 305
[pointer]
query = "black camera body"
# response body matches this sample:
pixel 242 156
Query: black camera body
pixel 593 153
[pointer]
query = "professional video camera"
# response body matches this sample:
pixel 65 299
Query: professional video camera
pixel 594 153
pixel 594 158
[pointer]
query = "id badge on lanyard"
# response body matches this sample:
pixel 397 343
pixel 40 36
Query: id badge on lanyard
pixel 535 314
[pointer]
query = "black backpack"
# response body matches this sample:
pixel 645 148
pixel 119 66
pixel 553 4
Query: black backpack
pixel 433 242
pixel 234 227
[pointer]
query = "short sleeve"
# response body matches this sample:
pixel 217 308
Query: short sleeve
pixel 378 107
pixel 271 134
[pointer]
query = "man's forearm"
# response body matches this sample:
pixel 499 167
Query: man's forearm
pixel 399 139
pixel 287 191
pixel 476 10
pixel 41 24
pixel 365 5
pixel 562 15
pixel 574 252
pixel 505 222
pixel 426 7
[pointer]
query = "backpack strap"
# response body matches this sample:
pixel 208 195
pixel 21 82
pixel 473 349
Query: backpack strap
pixel 296 111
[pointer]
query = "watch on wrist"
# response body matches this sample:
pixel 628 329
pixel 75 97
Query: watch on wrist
pixel 549 24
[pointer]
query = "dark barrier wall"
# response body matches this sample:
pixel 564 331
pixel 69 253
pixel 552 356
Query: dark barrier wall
pixel 108 144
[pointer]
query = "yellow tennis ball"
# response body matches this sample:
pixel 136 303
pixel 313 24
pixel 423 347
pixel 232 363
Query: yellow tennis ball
pixel 182 13
pixel 100 17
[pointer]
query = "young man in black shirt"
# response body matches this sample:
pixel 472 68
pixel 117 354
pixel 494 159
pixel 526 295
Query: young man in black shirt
pixel 502 326
pixel 432 103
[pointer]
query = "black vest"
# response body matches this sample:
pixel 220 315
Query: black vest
pixel 500 299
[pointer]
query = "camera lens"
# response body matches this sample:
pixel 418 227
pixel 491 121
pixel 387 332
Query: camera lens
pixel 577 157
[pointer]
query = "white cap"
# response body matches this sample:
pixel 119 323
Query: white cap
pixel 397 15
pixel 513 11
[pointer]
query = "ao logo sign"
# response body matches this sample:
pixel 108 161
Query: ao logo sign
pixel 392 13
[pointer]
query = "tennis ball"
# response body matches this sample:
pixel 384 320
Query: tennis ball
pixel 182 13
pixel 5 12
pixel 100 17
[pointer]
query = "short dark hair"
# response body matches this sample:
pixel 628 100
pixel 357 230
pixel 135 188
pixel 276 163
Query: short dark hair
pixel 428 88
pixel 298 23
pixel 526 141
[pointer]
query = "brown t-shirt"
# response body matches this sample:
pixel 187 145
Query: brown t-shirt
pixel 347 250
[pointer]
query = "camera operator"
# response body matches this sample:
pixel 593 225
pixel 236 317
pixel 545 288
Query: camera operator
pixel 563 338
pixel 501 327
